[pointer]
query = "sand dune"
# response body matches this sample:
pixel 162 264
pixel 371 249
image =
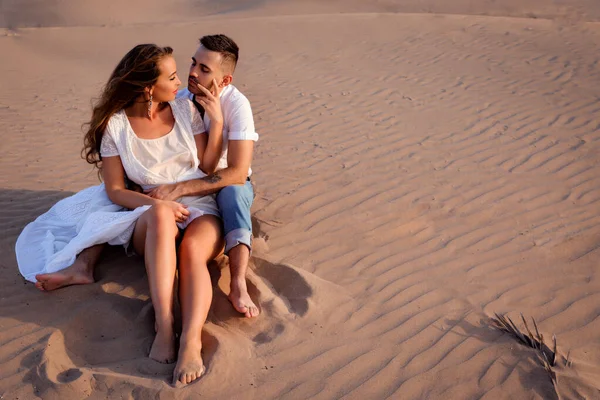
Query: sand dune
pixel 36 13
pixel 416 174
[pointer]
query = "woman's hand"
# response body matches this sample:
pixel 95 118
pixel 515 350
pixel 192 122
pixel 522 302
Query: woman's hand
pixel 180 211
pixel 210 100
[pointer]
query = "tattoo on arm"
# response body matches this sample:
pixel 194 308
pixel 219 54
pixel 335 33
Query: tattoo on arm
pixel 213 178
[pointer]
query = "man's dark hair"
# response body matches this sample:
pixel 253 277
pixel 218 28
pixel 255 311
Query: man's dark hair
pixel 224 45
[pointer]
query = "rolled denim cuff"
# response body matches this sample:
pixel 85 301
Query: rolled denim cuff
pixel 238 236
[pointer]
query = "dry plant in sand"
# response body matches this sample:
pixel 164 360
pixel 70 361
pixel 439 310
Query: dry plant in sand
pixel 546 355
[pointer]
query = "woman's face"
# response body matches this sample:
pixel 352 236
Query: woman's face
pixel 165 88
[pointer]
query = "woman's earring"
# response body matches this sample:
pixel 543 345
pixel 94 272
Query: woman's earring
pixel 150 106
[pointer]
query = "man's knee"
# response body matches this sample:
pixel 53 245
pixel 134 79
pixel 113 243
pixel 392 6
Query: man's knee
pixel 233 197
pixel 234 203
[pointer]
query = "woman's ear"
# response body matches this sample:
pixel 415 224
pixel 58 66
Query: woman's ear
pixel 148 92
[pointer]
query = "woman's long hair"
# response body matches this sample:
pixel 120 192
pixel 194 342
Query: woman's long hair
pixel 137 71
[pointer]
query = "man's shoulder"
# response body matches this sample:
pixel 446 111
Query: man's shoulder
pixel 234 98
pixel 238 115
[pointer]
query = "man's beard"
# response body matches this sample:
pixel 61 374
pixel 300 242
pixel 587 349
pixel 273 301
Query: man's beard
pixel 193 87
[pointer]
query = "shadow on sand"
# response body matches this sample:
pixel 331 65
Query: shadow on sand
pixel 105 329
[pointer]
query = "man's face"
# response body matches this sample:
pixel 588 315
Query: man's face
pixel 206 66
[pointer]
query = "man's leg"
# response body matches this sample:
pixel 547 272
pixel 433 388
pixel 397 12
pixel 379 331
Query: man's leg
pixel 234 203
pixel 80 273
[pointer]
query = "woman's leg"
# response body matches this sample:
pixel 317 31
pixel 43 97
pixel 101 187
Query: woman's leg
pixel 154 238
pixel 81 272
pixel 202 241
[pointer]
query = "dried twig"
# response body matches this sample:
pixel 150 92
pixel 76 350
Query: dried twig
pixel 546 355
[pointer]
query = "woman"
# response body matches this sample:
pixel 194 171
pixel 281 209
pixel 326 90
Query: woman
pixel 139 131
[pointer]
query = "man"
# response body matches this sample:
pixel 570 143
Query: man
pixel 213 63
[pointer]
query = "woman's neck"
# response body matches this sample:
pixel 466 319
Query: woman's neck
pixel 139 109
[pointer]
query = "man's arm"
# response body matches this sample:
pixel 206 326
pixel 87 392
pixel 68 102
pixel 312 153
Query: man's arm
pixel 239 158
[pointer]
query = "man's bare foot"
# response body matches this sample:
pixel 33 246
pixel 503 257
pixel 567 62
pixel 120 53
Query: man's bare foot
pixel 241 300
pixel 189 366
pixel 80 273
pixel 163 347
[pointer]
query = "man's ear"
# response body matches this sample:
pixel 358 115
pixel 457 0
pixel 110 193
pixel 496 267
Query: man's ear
pixel 227 79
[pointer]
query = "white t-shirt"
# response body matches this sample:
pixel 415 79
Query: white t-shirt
pixel 238 122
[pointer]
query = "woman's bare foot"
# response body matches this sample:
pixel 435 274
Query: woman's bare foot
pixel 189 366
pixel 80 273
pixel 239 297
pixel 163 347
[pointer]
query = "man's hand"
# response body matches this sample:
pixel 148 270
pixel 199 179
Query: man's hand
pixel 210 100
pixel 164 192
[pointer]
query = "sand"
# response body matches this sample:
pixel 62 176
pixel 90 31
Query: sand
pixel 421 166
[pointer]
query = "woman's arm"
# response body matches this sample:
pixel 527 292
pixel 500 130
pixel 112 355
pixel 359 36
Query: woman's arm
pixel 210 147
pixel 114 181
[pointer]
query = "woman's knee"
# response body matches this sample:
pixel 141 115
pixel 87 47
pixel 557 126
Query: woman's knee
pixel 202 238
pixel 161 216
pixel 198 249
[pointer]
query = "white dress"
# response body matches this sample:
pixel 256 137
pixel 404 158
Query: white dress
pixel 52 242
